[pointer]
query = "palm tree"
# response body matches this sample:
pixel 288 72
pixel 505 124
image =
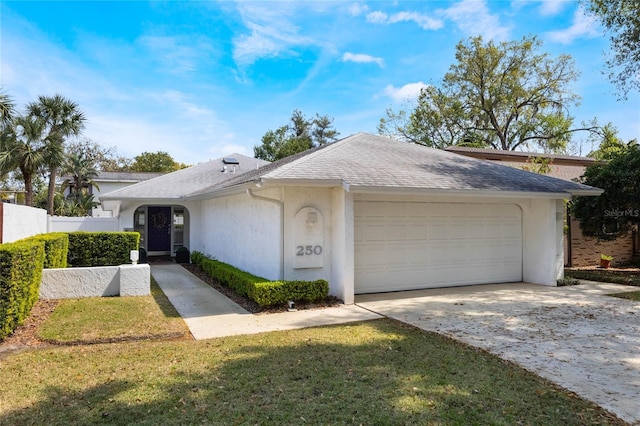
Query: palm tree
pixel 22 146
pixel 81 173
pixel 62 118
pixel 7 109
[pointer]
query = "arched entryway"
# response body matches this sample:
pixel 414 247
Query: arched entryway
pixel 163 229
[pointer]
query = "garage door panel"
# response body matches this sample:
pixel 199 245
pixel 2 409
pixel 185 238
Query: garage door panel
pixel 410 245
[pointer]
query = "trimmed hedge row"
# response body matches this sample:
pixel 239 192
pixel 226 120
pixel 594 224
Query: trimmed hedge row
pixel 101 248
pixel 21 266
pixel 258 289
pixel 56 248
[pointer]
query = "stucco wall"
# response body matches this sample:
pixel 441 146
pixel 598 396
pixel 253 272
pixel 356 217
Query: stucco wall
pixel 92 224
pixel 244 232
pixel 21 222
pixel 71 283
pixel 586 251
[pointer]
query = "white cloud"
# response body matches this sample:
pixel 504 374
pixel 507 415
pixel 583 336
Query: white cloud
pixel 362 58
pixel 551 7
pixel 423 21
pixel 357 9
pixel 408 92
pixel 177 54
pixel 583 26
pixel 271 34
pixel 473 18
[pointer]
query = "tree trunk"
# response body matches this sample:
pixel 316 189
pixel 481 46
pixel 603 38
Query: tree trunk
pixel 51 191
pixel 28 188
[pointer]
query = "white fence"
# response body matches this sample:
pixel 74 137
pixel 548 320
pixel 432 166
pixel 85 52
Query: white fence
pixel 18 222
pixel 94 224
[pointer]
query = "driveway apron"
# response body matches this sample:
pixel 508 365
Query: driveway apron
pixel 577 337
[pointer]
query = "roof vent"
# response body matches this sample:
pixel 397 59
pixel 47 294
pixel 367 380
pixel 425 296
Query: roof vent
pixel 230 160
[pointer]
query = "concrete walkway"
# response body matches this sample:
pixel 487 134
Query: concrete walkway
pixel 575 336
pixel 208 313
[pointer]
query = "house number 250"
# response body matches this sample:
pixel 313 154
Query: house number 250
pixel 308 250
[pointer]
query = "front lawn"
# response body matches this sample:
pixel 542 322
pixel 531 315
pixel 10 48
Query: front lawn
pixel 375 373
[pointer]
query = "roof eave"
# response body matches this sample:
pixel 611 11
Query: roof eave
pixel 459 192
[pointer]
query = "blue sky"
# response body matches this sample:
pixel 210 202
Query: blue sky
pixel 204 79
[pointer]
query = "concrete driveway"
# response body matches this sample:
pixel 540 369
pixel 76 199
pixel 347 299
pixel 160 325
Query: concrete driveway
pixel 574 336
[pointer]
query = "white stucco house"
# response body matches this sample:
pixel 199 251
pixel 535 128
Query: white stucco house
pixel 366 213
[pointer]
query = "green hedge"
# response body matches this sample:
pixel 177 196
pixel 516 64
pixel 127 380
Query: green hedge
pixel 56 248
pixel 258 289
pixel 21 266
pixel 101 248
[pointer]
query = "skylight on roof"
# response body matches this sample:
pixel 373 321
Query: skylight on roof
pixel 230 160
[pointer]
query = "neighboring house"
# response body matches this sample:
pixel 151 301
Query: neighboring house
pixel 579 249
pixel 111 181
pixel 367 213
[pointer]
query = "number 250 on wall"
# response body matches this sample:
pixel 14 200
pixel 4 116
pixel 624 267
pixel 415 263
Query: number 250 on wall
pixel 308 250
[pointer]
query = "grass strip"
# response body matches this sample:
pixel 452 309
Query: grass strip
pixel 376 372
pixel 113 319
pixel 605 275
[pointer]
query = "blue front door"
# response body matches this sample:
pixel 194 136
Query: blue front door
pixel 159 229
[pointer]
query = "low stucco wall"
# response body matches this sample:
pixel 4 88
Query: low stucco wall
pixel 71 283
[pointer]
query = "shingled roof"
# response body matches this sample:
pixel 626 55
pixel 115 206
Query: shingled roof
pixel 177 184
pixel 369 163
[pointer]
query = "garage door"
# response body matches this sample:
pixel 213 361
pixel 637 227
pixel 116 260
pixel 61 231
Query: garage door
pixel 413 245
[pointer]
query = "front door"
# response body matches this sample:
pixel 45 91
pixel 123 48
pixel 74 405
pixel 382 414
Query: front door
pixel 159 229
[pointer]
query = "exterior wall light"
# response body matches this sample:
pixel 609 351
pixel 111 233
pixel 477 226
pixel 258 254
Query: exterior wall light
pixel 312 219
pixel 134 256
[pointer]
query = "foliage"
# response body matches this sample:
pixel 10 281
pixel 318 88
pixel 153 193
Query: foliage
pixel 81 173
pixel 62 118
pixel 101 158
pixel 279 292
pixel 23 147
pixel 160 162
pixel 621 18
pixel 503 96
pixel 20 275
pixel 371 373
pixel 616 276
pixel 617 209
pixel 7 109
pixel 56 248
pixel 540 165
pixel 101 248
pixel 260 290
pixel 609 144
pixel 299 135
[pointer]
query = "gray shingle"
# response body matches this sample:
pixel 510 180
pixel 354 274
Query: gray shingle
pixel 181 182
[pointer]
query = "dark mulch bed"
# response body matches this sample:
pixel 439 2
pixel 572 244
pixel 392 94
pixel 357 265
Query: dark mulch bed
pixel 250 305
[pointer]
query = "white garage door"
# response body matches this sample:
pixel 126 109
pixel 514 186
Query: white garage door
pixel 413 245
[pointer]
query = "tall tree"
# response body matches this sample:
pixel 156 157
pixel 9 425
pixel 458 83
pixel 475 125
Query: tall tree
pixel 102 158
pixel 503 96
pixel 299 135
pixel 62 118
pixel 621 18
pixel 23 146
pixel 156 162
pixel 617 209
pixel 81 174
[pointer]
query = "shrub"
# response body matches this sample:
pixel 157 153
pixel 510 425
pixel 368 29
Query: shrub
pixel 56 248
pixel 258 289
pixel 20 275
pixel 101 248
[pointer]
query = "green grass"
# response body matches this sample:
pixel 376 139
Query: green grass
pixel 633 295
pixel 375 373
pixel 112 319
pixel 605 275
